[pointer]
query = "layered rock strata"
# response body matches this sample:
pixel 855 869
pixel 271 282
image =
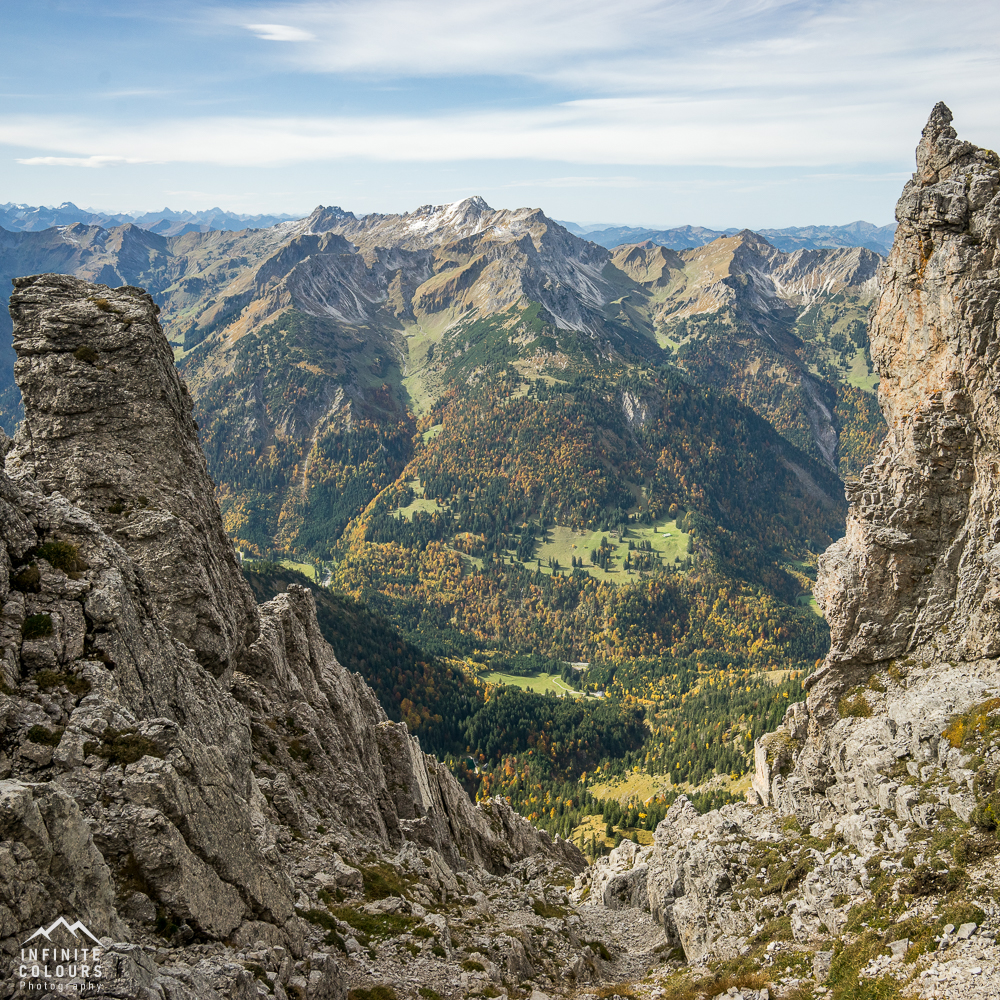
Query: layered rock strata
pixel 165 742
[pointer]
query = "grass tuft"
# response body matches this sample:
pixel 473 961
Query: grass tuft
pixel 28 580
pixel 36 627
pixel 124 746
pixel 49 679
pixel 978 721
pixel 375 993
pixel 45 737
pixel 854 707
pixel 62 555
pixel 87 354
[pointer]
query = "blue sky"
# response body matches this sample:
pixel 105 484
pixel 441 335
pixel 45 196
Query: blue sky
pixel 757 113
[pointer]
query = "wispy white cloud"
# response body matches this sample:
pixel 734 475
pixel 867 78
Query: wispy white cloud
pixel 727 82
pixel 607 131
pixel 280 33
pixel 446 37
pixel 650 46
pixel 736 83
pixel 78 161
pixel 634 130
pixel 138 92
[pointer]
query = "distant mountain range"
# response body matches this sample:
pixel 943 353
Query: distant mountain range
pixel 431 299
pixel 33 218
pixel 484 425
pixel 167 222
pixel 855 234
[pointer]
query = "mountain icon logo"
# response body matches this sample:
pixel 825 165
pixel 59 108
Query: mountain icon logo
pixel 76 929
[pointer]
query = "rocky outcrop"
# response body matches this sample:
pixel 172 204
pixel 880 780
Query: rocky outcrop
pixel 912 591
pixel 109 427
pixel 919 566
pixel 165 741
pixel 110 718
pixel 714 881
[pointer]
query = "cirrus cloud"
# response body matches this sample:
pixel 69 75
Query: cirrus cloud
pixel 280 33
pixel 97 160
pixel 646 131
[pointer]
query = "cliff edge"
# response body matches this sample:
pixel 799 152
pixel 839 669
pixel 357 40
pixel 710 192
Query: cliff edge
pixel 912 591
pixel 918 571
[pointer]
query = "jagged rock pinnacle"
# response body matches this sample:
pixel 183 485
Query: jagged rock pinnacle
pixel 918 572
pixel 939 123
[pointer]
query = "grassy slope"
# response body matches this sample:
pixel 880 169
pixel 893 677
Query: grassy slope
pixel 560 544
pixel 540 683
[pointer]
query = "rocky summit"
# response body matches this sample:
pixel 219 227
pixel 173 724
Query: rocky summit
pixel 196 779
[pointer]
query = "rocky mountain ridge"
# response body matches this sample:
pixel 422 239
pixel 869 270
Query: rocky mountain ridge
pixel 386 314
pixel 855 234
pixel 138 790
pixel 16 217
pixel 733 311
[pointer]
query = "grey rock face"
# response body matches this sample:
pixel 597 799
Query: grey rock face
pixel 912 591
pixel 108 425
pixel 134 756
pixel 48 861
pixel 919 565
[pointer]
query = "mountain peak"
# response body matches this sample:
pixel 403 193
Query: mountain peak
pixel 324 217
pixel 939 123
pixel 751 236
pixel 476 202
pixel 939 146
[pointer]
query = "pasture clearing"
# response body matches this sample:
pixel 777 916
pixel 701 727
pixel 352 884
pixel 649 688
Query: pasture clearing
pixel 636 785
pixel 560 544
pixel 539 683
pixel 306 569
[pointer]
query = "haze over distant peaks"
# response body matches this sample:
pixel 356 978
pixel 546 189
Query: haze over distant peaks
pixel 854 234
pixel 32 218
pixel 167 222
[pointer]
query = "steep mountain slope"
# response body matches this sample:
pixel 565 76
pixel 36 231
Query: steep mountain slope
pixel 316 351
pixel 471 418
pixel 123 255
pixel 768 326
pixel 437 293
